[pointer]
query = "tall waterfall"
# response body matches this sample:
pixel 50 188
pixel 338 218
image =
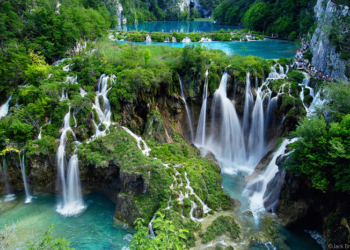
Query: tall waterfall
pixel 200 135
pixel 187 109
pixel 256 144
pixel 4 109
pixel 72 202
pixel 226 140
pixel 247 102
pixel 9 195
pixel 236 144
pixel 104 112
pixel 24 177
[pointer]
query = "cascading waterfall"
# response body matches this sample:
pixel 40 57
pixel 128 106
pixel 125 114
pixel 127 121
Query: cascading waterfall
pixel 187 109
pixel 139 140
pixel 148 39
pixel 150 227
pixel 200 135
pixel 4 109
pixel 258 186
pixel 226 140
pixel 24 177
pixel 72 202
pixel 104 113
pixel 256 144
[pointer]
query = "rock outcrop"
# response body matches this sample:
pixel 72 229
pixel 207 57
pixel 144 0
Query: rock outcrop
pixel 325 58
pixel 305 207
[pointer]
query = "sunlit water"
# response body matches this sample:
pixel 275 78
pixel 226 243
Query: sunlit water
pixel 268 49
pixel 179 26
pixel 294 239
pixel 94 229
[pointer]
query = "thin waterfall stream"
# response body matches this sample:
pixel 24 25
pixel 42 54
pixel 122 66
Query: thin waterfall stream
pixel 24 176
pixel 187 109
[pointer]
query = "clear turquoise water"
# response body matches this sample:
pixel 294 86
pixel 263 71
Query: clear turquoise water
pixel 94 229
pixel 179 26
pixel 268 49
pixel 296 239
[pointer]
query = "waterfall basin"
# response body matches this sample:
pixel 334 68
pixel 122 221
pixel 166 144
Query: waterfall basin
pixel 93 229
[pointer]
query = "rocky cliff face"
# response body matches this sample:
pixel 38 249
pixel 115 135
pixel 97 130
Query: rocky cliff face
pixel 303 206
pixel 325 58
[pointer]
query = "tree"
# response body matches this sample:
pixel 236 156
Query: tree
pixel 47 242
pixel 257 17
pixel 168 237
pixel 147 56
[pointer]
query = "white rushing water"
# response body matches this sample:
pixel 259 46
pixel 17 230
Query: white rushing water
pixel 206 209
pixel 103 111
pixel 200 135
pixel 145 151
pixel 24 177
pixel 187 109
pixel 148 39
pixel 72 202
pixel 4 109
pixel 257 187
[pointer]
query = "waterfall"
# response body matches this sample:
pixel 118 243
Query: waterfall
pixel 150 227
pixel 206 209
pixel 258 186
pixel 82 92
pixel 72 203
pixel 148 39
pixel 104 113
pixel 256 145
pixel 226 140
pixel 173 40
pixel 186 40
pixel 200 135
pixel 139 140
pixel 64 95
pixel 187 109
pixel 4 109
pixel 39 136
pixel 23 171
pixel 247 101
pixel 9 195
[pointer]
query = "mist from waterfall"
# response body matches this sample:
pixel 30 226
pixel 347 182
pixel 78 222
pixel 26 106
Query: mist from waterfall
pixel 72 202
pixel 187 109
pixel 24 177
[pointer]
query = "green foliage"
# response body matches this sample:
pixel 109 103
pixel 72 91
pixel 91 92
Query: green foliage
pixel 339 96
pixel 167 236
pixel 147 56
pixel 296 75
pixel 48 242
pixel 222 225
pixel 322 153
pixel 287 18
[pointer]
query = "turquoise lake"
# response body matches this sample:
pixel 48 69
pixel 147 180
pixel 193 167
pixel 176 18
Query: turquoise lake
pixel 179 26
pixel 91 230
pixel 268 49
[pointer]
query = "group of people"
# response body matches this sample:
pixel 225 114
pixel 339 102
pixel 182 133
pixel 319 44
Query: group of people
pixel 303 63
